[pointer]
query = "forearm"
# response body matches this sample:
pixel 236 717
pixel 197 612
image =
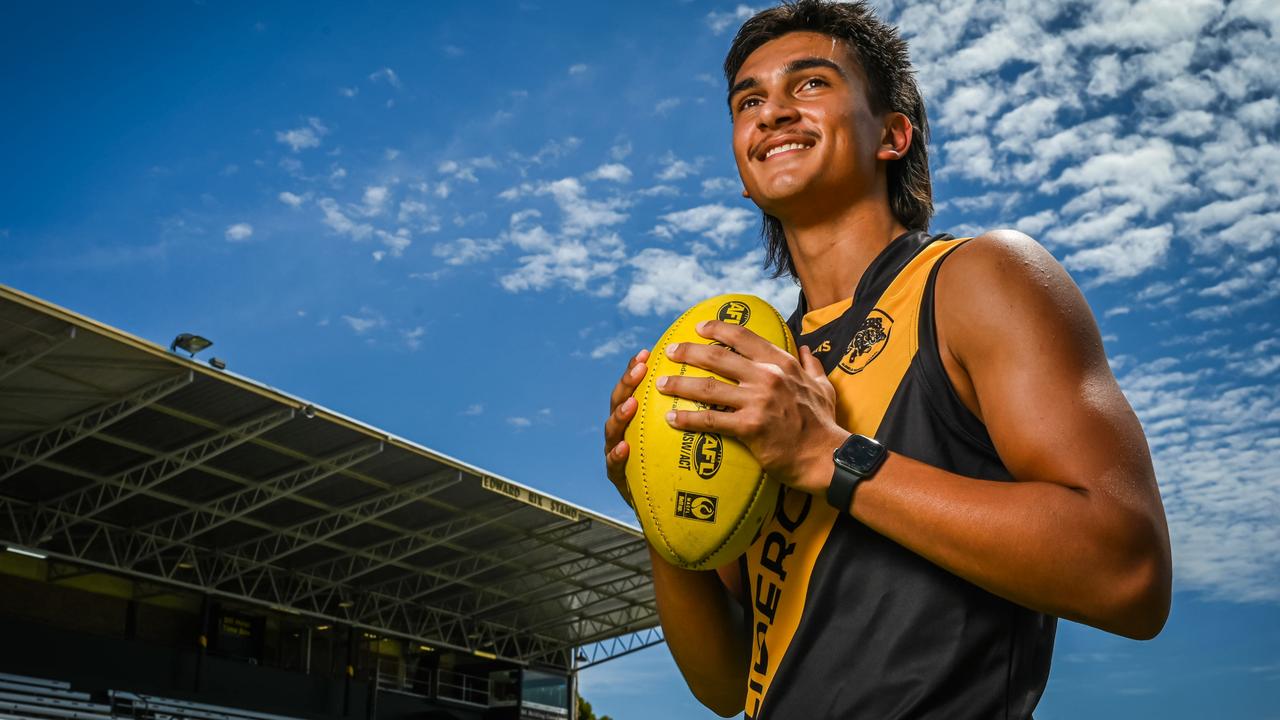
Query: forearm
pixel 1042 545
pixel 704 631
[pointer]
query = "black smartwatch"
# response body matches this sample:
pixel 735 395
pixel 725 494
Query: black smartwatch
pixel 856 459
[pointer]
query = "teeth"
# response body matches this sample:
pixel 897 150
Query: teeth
pixel 783 148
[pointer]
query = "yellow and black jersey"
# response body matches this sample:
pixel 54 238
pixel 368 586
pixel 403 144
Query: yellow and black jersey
pixel 847 623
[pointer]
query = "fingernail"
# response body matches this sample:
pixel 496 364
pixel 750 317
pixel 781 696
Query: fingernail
pixel 671 349
pixel 662 382
pixel 700 326
pixel 671 417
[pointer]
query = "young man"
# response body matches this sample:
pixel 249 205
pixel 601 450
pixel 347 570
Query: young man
pixel 960 466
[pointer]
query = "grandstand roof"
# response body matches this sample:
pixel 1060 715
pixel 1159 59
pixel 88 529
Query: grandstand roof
pixel 120 455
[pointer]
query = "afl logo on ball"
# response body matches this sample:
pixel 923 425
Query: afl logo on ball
pixel 868 342
pixel 708 451
pixel 734 311
pixel 695 506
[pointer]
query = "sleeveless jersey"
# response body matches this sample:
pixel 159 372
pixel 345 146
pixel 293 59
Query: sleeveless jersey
pixel 845 622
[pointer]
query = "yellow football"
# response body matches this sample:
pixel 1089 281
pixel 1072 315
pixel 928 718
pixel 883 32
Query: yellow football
pixel 700 497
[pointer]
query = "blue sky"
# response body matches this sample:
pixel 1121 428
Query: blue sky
pixel 455 221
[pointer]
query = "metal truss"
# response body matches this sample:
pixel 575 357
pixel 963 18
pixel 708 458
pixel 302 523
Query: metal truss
pixel 346 570
pixel 432 578
pixel 272 549
pixel 31 450
pixel 275 587
pixel 592 654
pixel 93 500
pixel 185 526
pixel 578 598
pixel 14 361
pixel 532 578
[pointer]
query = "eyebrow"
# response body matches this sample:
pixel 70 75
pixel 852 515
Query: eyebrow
pixel 792 67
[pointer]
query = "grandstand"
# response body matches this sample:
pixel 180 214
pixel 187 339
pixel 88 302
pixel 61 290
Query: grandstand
pixel 183 542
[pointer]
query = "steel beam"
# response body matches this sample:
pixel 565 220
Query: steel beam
pixel 188 524
pixel 14 361
pixel 29 451
pixel 616 647
pixel 95 499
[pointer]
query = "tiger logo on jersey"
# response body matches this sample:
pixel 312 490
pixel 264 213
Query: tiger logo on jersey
pixel 868 342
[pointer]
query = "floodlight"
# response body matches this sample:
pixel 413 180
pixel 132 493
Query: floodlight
pixel 190 343
pixel 580 657
pixel 218 363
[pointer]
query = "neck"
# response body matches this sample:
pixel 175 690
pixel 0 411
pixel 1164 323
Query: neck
pixel 832 253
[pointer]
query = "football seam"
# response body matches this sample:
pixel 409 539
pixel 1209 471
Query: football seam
pixel 760 486
pixel 644 479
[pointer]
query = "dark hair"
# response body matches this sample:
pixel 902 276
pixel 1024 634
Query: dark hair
pixel 891 87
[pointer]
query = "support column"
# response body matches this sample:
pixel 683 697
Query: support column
pixel 203 642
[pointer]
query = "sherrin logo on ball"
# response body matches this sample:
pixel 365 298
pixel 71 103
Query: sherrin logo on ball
pixel 700 497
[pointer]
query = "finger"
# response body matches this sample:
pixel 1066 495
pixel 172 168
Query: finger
pixel 812 365
pixel 706 390
pixel 630 379
pixel 719 359
pixel 713 421
pixel 615 426
pixel 746 342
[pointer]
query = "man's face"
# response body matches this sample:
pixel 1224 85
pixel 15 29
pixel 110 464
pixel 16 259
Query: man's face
pixel 804 135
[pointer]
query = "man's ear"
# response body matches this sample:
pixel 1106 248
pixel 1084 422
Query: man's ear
pixel 895 137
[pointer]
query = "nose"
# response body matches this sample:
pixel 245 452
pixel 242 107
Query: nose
pixel 776 111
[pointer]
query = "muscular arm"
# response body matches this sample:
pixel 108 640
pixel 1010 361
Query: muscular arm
pixel 1082 533
pixel 701 619
pixel 703 627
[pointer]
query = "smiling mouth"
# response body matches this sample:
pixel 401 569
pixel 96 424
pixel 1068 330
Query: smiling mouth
pixel 789 147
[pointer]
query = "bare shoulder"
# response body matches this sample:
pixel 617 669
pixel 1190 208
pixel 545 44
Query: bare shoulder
pixel 1003 261
pixel 1010 321
pixel 1004 283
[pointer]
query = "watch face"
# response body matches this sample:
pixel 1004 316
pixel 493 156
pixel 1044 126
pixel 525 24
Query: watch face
pixel 860 454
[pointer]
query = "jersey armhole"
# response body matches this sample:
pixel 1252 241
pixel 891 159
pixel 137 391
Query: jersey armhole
pixel 941 393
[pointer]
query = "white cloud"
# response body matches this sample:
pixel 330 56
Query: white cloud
pixel 721 186
pixel 375 200
pixel 578 69
pixel 1131 254
pixel 582 214
pixel 622 342
pixel 239 232
pixel 970 157
pixel 519 423
pixel 720 21
pixel 673 168
pixel 301 138
pixel 615 172
pixel 465 251
pixel 291 199
pixel 349 92
pixel 386 75
pixel 367 319
pixel 413 338
pixel 719 223
pixel 665 281
pixel 666 105
pixel 340 223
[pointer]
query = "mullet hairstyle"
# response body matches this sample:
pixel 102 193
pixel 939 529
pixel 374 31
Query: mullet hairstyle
pixel 891 87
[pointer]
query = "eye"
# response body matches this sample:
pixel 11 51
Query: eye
pixel 748 102
pixel 813 82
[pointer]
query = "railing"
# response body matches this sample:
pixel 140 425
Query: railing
pixel 391 677
pixel 463 688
